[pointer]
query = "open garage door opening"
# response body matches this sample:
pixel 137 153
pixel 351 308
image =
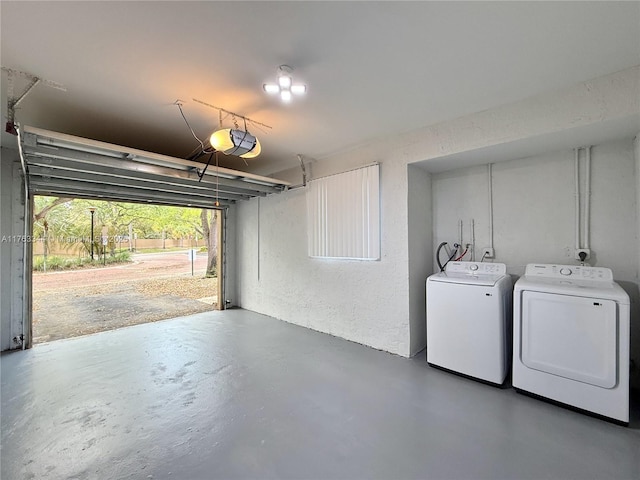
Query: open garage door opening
pixel 101 265
pixel 119 188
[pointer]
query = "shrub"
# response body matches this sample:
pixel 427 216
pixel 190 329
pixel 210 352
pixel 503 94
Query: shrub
pixel 70 263
pixel 38 263
pixel 53 263
pixel 123 256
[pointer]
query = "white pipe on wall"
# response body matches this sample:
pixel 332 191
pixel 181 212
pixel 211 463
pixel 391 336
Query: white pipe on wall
pixel 587 198
pixel 473 240
pixel 577 195
pixel 490 174
pixel 258 241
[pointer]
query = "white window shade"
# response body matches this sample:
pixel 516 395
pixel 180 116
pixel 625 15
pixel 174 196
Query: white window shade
pixel 343 215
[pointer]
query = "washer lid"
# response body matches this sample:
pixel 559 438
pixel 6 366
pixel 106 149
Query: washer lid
pixel 466 279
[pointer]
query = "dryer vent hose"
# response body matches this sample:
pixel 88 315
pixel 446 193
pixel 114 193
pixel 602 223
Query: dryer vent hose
pixel 453 254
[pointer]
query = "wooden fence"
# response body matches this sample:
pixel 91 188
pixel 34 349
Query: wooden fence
pixel 69 247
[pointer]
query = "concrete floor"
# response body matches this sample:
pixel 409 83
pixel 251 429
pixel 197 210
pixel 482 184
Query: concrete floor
pixel 239 395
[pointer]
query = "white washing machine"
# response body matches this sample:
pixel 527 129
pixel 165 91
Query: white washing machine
pixel 468 320
pixel 571 338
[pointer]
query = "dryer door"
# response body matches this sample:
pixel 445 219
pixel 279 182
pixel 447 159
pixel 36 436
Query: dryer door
pixel 573 337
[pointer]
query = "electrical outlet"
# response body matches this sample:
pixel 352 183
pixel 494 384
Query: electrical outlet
pixel 582 250
pixel 488 252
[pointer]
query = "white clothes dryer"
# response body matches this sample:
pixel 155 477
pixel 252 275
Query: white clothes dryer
pixel 469 318
pixel 571 338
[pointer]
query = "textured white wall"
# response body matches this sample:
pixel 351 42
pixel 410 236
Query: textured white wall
pixel 534 212
pixel 363 301
pixel 613 223
pixel 420 252
pixel 598 102
pixel 449 207
pixel 534 208
pixel 371 303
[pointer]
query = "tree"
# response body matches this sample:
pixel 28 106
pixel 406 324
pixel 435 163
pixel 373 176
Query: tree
pixel 209 220
pixel 44 206
pixel 70 222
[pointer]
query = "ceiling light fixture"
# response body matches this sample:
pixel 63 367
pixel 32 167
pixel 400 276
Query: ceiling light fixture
pixel 285 86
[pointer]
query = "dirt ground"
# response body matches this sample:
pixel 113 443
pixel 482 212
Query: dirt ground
pixel 153 287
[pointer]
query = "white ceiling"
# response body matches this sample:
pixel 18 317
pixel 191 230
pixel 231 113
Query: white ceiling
pixel 372 68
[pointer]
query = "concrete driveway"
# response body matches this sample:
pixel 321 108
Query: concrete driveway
pixel 144 265
pixel 153 287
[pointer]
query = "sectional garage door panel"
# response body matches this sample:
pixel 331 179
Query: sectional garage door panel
pixel 64 165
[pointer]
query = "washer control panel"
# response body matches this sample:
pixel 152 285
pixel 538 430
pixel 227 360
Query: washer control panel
pixel 576 272
pixel 476 268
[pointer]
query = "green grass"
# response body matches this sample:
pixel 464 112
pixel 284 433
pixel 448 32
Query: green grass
pixel 57 263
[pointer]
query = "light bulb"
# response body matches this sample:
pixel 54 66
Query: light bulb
pixel 284 81
pixel 285 95
pixel 221 140
pixel 271 88
pixel 298 89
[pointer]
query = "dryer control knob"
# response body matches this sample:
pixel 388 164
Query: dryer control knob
pixel 473 267
pixel 565 271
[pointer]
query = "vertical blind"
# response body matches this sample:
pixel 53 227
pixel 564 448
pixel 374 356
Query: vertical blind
pixel 343 215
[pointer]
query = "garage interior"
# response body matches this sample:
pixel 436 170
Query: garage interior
pixel 474 115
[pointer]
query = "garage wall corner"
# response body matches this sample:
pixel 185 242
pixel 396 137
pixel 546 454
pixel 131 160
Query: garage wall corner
pixel 12 295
